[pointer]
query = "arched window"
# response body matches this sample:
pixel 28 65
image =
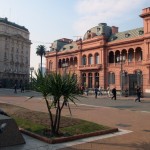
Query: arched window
pixel 90 80
pixel 138 54
pixel 111 78
pixel 97 58
pixel 84 60
pixel 130 55
pixel 90 59
pixel 111 57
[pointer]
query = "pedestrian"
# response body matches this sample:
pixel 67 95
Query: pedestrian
pixel 126 92
pixel 108 91
pixel 114 93
pixel 96 91
pixel 22 88
pixel 82 89
pixel 138 93
pixel 100 90
pixel 15 88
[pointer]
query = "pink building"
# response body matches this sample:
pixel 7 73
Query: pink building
pixel 106 57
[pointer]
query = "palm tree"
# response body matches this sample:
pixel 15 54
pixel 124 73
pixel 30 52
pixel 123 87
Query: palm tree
pixel 40 51
pixel 63 89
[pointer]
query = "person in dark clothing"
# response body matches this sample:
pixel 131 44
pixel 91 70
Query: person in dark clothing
pixel 15 88
pixel 138 92
pixel 82 89
pixel 22 88
pixel 96 92
pixel 114 93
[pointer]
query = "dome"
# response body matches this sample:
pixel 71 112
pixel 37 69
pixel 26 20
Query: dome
pixel 101 29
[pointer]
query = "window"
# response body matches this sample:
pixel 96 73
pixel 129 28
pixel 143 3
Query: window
pixel 84 60
pixel 130 57
pixel 90 80
pixel 98 29
pixel 127 35
pixel 97 59
pixel 111 78
pixel 141 32
pixel 90 60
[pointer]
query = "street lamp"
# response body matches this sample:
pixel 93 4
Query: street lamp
pixel 31 69
pixel 121 59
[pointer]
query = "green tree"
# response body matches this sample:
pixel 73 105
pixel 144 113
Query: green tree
pixel 63 89
pixel 40 51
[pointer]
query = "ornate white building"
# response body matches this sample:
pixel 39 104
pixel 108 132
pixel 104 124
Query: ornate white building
pixel 14 54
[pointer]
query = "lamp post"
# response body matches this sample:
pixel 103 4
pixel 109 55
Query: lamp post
pixel 31 69
pixel 121 59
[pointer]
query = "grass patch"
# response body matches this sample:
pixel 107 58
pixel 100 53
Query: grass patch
pixel 29 125
pixel 83 127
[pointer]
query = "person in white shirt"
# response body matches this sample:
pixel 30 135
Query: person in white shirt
pixel 100 90
pixel 108 91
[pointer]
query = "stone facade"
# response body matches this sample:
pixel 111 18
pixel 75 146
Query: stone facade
pixel 15 54
pixel 106 57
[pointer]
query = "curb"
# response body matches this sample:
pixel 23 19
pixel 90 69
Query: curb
pixel 70 138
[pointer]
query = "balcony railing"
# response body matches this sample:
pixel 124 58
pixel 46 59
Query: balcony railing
pixel 131 63
pixel 90 67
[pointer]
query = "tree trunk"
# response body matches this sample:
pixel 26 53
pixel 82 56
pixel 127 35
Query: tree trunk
pixel 57 117
pixel 51 117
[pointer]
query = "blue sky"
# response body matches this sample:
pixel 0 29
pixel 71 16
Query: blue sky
pixel 48 20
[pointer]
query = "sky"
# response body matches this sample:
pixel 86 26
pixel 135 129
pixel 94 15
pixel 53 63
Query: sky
pixel 49 20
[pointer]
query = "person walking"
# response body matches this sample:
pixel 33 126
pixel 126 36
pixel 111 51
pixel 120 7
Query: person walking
pixel 96 91
pixel 22 88
pixel 15 88
pixel 100 90
pixel 114 93
pixel 82 89
pixel 138 93
pixel 108 91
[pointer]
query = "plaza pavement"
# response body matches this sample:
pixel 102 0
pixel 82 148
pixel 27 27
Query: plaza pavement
pixel 123 113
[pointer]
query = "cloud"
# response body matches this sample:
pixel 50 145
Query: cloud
pixel 92 12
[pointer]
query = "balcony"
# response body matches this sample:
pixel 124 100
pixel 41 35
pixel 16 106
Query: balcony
pixel 90 67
